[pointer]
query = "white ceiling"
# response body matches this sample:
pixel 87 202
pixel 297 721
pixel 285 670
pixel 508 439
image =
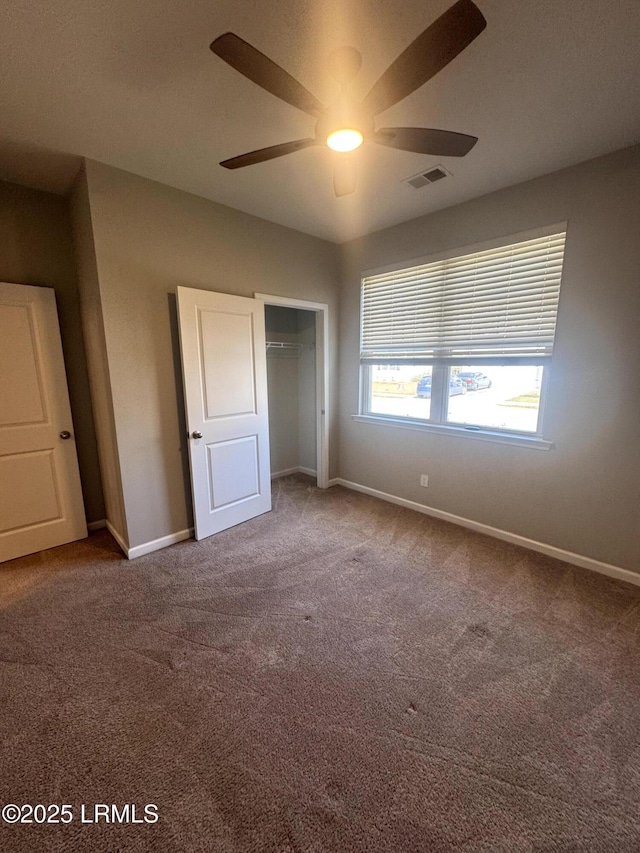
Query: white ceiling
pixel 549 83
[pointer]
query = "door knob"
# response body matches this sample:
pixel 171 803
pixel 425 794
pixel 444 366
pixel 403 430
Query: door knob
pixel 196 434
pixel 65 434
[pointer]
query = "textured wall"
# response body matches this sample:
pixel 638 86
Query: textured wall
pixel 150 238
pixel 93 329
pixel 282 380
pixel 583 496
pixel 292 390
pixel 36 248
pixel 307 391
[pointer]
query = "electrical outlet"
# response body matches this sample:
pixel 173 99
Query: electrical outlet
pixel 424 480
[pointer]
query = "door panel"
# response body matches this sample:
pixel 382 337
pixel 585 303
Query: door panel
pixel 234 470
pixel 29 491
pixel 225 380
pixel 20 379
pixel 227 363
pixel 40 495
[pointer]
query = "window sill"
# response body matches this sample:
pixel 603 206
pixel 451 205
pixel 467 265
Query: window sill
pixel 533 442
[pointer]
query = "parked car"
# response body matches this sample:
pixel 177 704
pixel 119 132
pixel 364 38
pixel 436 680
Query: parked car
pixel 474 380
pixel 455 387
pixel 424 387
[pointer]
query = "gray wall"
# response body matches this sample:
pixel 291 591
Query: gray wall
pixel 282 381
pixel 307 392
pixel 291 380
pixel 150 238
pixel 583 496
pixel 137 240
pixel 36 248
pixel 98 367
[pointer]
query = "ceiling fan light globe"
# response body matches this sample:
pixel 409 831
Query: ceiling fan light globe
pixel 345 139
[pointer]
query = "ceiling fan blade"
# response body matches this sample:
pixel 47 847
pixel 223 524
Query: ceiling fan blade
pixel 240 55
pixel 345 175
pixel 425 140
pixel 429 53
pixel 264 154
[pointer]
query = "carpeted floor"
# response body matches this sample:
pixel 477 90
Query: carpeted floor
pixel 338 675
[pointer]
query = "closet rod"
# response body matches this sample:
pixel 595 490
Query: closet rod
pixel 288 345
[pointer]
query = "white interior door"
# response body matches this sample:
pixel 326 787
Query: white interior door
pixel 222 343
pixel 40 494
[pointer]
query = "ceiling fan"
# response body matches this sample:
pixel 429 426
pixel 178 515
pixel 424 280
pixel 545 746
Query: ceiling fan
pixel 345 124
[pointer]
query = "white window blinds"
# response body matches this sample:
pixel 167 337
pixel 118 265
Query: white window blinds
pixel 496 303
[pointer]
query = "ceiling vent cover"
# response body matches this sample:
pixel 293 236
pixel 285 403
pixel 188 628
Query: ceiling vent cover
pixel 437 173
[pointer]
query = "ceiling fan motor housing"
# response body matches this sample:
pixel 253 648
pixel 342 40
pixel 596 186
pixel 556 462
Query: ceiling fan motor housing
pixel 343 114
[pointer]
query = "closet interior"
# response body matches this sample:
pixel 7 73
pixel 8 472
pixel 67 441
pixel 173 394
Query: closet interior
pixel 291 383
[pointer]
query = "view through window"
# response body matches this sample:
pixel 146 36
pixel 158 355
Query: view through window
pixel 500 397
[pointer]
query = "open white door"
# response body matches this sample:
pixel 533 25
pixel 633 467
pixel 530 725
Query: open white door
pixel 40 494
pixel 222 343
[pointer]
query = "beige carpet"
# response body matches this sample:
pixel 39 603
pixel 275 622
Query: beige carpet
pixel 338 675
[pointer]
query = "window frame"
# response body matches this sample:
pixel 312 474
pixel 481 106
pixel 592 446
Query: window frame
pixel 437 421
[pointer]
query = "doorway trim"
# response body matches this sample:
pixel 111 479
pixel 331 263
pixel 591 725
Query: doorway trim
pixel 321 310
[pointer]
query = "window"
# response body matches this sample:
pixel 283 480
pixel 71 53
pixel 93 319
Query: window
pixel 464 341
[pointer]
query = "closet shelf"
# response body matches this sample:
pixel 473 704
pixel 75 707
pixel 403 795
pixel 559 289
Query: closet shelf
pixel 287 347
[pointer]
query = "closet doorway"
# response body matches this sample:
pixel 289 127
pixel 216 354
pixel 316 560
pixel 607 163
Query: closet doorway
pixel 297 382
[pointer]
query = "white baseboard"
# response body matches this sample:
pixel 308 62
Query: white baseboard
pixel 118 537
pixel 157 544
pixel 309 471
pixel 148 547
pixel 284 473
pixel 297 470
pixel 96 525
pixel 541 547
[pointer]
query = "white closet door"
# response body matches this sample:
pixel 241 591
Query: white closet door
pixel 222 344
pixel 40 494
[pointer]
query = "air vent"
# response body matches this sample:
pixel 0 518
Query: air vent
pixel 430 177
